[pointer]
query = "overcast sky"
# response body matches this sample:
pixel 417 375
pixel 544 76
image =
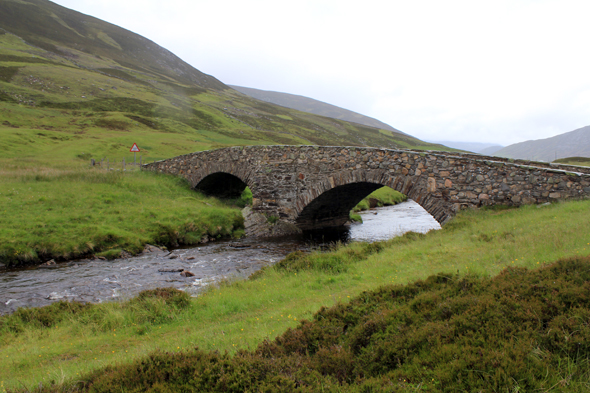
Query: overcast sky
pixel 478 71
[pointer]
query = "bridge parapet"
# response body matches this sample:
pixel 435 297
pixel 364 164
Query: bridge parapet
pixel 313 186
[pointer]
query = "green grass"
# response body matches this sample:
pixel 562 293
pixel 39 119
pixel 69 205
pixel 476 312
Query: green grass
pixel 445 333
pixel 70 213
pixel 241 315
pixel 385 196
pixel 579 161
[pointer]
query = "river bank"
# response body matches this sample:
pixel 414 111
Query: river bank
pixel 70 213
pixel 62 343
pixel 190 269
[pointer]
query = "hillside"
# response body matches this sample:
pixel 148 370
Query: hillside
pixel 571 144
pixel 475 147
pixel 311 105
pixel 578 161
pixel 490 151
pixel 69 35
pixel 73 86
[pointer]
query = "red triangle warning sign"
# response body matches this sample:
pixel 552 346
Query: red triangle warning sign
pixel 134 148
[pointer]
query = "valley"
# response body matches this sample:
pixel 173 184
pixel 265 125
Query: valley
pixel 496 300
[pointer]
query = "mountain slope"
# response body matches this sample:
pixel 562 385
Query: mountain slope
pixel 571 144
pixel 475 147
pixel 74 86
pixel 490 151
pixel 311 105
pixel 59 30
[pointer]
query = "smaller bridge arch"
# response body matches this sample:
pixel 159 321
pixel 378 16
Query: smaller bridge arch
pixel 221 185
pixel 313 186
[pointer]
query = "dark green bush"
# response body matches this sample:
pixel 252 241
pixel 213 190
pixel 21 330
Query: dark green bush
pixel 333 262
pixel 170 296
pixel 37 317
pixel 7 73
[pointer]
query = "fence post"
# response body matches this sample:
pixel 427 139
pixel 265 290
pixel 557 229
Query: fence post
pixel 123 163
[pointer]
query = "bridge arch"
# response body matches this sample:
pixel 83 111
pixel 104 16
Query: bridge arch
pixel 222 179
pixel 329 203
pixel 221 185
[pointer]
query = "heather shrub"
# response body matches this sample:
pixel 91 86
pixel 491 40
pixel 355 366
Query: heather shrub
pixel 520 331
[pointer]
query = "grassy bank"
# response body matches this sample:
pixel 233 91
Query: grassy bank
pixel 446 333
pixel 579 161
pixel 71 212
pixel 385 196
pixel 73 343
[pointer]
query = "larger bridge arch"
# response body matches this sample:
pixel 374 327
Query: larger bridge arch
pixel 313 186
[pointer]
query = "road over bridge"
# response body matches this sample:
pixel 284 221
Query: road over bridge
pixel 309 187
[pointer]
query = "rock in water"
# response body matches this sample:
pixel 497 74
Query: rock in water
pixel 186 273
pixel 50 263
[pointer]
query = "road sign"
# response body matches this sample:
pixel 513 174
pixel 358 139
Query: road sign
pixel 134 148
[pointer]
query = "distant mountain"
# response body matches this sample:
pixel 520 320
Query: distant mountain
pixel 310 105
pixel 571 144
pixel 475 147
pixel 490 151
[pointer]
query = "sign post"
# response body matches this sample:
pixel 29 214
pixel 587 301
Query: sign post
pixel 134 149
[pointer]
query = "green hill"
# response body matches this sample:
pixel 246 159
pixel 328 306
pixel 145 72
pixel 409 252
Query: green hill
pixel 310 105
pixel 74 86
pixel 579 161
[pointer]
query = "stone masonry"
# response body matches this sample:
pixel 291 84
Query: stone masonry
pixel 316 186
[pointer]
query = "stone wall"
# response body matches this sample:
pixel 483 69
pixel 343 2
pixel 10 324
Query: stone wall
pixel 314 186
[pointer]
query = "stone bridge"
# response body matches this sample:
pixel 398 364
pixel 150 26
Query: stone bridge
pixel 309 187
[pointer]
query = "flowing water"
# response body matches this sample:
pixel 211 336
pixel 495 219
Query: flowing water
pixel 97 281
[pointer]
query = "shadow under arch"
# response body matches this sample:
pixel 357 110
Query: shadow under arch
pixel 221 185
pixel 332 208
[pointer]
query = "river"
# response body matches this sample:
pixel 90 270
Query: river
pixel 98 281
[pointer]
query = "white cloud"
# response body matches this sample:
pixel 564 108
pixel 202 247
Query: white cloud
pixel 502 71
